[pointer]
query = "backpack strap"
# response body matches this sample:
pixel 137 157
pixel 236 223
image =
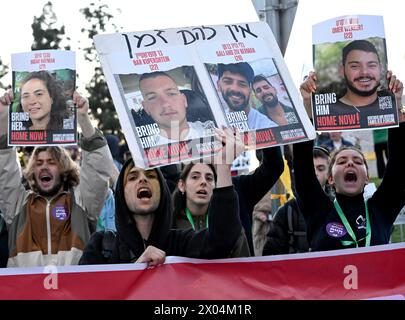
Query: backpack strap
pixel 2 225
pixel 290 230
pixel 298 210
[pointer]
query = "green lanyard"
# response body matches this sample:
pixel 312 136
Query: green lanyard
pixel 190 219
pixel 349 228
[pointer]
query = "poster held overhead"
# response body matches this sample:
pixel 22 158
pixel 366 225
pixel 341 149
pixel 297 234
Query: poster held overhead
pixel 43 112
pixel 350 59
pixel 164 84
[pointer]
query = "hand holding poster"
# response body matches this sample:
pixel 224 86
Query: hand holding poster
pixel 350 60
pixel 43 111
pixel 172 87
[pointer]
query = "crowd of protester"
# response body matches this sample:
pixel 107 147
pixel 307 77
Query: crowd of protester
pixel 90 204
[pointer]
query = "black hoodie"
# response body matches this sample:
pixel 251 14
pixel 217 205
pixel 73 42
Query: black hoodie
pixel 127 244
pixel 325 229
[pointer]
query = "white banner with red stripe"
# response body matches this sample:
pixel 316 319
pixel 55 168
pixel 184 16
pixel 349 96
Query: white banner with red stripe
pixel 364 273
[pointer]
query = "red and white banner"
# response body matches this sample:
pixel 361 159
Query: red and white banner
pixel 365 273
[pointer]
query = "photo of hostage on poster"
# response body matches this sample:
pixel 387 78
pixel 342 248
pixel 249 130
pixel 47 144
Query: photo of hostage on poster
pixel 253 93
pixel 169 116
pixel 254 99
pixel 169 98
pixel 43 112
pixel 350 61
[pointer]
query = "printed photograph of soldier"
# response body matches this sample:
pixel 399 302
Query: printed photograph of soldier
pixel 271 105
pixel 165 108
pixel 352 79
pixel 252 94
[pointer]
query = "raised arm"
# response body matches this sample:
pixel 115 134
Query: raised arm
pixel 254 186
pixel 390 194
pixel 310 194
pixel 12 192
pixel 223 214
pixel 96 165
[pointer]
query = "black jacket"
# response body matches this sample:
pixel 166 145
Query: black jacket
pixel 287 233
pixel 251 188
pixel 127 245
pixel 323 220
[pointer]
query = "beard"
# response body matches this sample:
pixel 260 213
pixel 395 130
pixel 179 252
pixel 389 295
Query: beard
pixel 138 210
pixel 231 105
pixel 52 192
pixel 144 213
pixel 361 93
pixel 272 103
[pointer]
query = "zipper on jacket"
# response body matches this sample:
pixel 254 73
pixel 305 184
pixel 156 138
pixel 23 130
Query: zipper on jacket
pixel 48 226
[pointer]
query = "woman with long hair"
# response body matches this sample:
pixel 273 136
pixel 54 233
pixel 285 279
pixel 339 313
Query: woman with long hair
pixel 192 198
pixel 42 97
pixel 350 220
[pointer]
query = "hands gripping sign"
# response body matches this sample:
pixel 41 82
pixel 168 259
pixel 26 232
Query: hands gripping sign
pixel 42 111
pixel 350 60
pixel 173 87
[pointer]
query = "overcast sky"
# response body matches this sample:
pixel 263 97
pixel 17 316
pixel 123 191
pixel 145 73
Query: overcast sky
pixel 141 15
pixel 135 15
pixel 299 51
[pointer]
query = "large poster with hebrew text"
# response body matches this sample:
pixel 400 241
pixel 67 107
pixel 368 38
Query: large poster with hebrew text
pixel 169 93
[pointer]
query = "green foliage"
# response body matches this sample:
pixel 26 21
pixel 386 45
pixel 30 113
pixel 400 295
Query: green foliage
pixel 99 20
pixel 47 34
pixel 376 181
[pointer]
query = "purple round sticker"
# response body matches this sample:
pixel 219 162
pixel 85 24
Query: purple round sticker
pixel 60 212
pixel 336 229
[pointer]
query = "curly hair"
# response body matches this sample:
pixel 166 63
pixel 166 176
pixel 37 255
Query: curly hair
pixel 70 170
pixel 59 110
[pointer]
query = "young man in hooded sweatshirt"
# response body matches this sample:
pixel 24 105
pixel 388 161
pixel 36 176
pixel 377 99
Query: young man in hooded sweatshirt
pixel 143 217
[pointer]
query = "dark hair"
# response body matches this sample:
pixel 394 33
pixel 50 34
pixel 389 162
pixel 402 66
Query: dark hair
pixel 179 199
pixel 335 153
pixel 242 68
pixel 261 78
pixel 153 75
pixel 321 152
pixel 362 45
pixel 56 92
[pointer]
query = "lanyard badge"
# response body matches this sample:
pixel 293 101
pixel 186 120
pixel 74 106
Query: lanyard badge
pixel 349 228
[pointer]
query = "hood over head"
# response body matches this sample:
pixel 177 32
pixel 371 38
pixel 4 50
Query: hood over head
pixel 125 223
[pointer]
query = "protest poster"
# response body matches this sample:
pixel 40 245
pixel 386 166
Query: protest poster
pixel 139 65
pixel 43 112
pixel 252 92
pixel 350 60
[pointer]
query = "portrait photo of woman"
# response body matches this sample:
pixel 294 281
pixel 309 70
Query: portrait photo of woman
pixel 42 98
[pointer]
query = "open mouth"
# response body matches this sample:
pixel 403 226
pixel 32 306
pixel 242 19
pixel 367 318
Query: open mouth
pixel 271 96
pixel 364 80
pixel 45 177
pixel 202 192
pixel 350 177
pixel 236 97
pixel 144 193
pixel 34 109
